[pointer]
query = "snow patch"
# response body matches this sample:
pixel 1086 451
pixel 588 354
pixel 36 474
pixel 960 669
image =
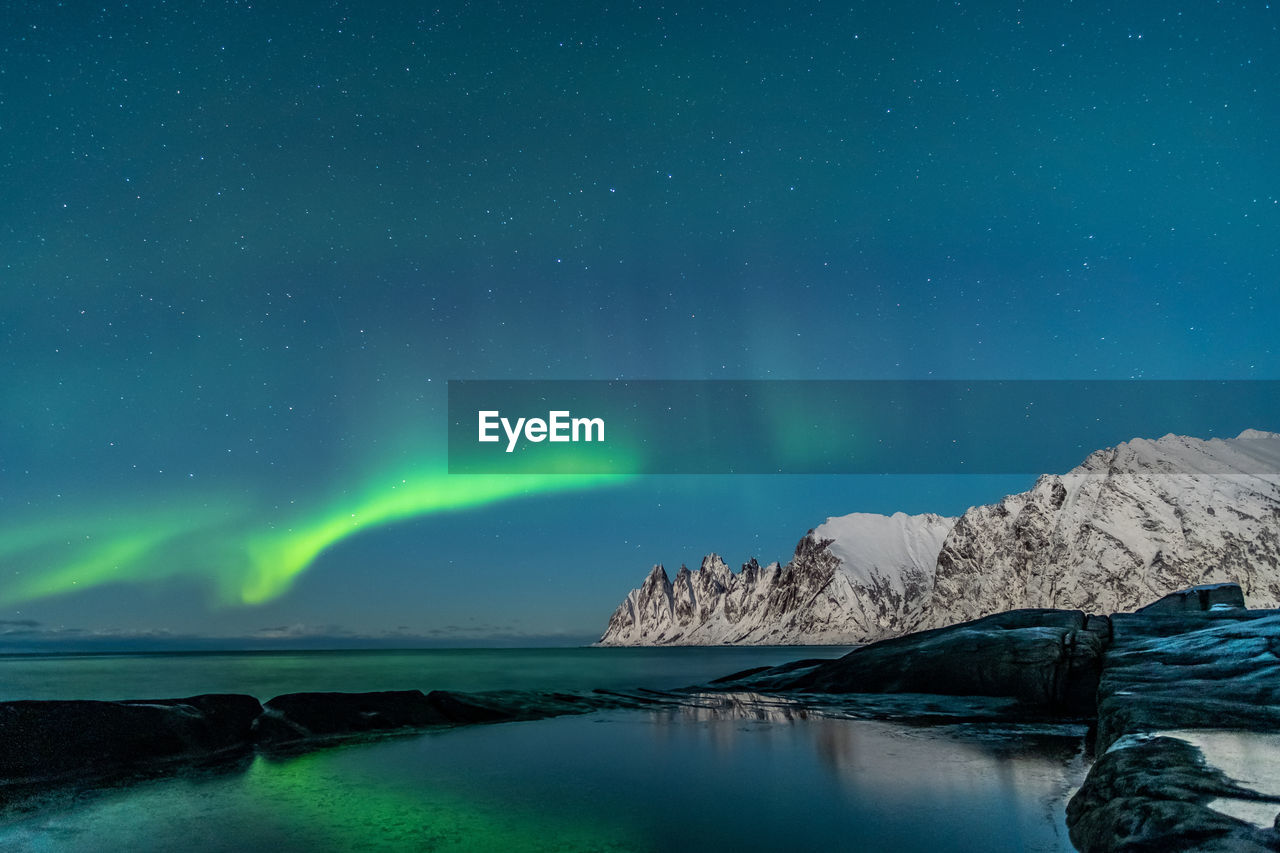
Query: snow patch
pixel 875 549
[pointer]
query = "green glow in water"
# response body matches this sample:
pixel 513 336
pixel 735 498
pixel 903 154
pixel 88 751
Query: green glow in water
pixel 330 805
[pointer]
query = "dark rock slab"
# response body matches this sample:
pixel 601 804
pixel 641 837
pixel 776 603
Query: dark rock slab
pixel 1047 658
pixel 1218 669
pixel 298 716
pixel 773 671
pixel 522 705
pixel 43 740
pixel 1197 599
pixel 1185 664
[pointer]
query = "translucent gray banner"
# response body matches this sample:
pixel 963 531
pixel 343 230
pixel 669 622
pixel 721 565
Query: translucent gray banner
pixel 833 427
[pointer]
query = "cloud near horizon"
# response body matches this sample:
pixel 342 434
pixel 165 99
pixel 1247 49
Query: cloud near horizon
pixel 30 636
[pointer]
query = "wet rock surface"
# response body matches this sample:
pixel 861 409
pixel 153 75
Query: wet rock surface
pixel 1197 599
pixel 296 716
pixel 1179 668
pixel 1219 669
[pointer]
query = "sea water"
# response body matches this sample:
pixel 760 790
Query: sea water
pixel 270 673
pixel 698 779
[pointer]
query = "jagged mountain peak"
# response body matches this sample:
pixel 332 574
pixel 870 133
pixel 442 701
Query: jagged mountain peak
pixel 658 572
pixel 810 599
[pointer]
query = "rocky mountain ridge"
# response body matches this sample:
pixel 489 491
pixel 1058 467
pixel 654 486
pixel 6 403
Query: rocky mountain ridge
pixel 1127 526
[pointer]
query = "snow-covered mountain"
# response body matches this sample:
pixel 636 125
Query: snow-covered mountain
pixel 852 578
pixel 1127 526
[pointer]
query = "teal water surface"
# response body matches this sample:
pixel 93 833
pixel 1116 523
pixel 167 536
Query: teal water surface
pixel 744 777
pixel 629 781
pixel 270 673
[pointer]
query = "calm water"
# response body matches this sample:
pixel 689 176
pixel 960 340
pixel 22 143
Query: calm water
pixel 729 779
pixel 267 674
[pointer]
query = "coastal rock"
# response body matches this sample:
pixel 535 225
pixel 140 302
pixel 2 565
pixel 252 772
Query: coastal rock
pixel 514 705
pixel 1186 693
pixel 1218 669
pixel 296 716
pixel 1198 599
pixel 1044 658
pixel 53 739
pixel 1187 688
pixel 462 708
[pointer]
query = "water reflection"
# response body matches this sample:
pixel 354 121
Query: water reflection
pixel 736 772
pixel 1251 760
pixel 1026 771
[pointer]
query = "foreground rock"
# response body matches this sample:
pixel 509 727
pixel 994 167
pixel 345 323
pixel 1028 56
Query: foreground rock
pixel 53 740
pixel 1186 692
pixel 1048 659
pixel 1197 599
pixel 1188 685
pixel 297 716
pixel 1217 671
pixel 305 716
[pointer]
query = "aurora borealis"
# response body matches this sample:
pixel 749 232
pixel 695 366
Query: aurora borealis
pixel 246 245
pixel 252 565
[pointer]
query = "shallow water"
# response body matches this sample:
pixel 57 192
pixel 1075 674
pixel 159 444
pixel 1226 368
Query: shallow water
pixel 1250 759
pixel 691 779
pixel 743 777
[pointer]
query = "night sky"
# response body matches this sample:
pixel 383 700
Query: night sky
pixel 245 246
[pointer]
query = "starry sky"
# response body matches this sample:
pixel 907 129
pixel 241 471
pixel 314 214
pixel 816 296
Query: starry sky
pixel 245 246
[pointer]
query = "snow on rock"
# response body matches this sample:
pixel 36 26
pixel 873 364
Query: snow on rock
pixel 896 552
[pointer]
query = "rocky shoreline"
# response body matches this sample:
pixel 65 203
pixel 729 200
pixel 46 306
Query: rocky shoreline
pixel 53 742
pixel 1170 691
pixel 1172 688
pixel 1178 695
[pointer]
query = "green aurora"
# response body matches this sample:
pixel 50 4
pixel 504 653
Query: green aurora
pixel 248 560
